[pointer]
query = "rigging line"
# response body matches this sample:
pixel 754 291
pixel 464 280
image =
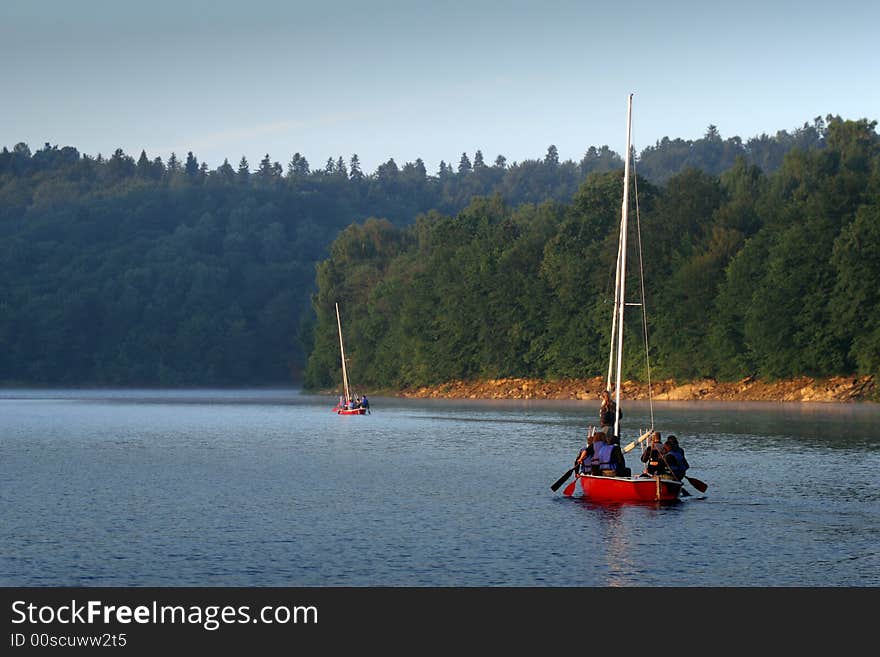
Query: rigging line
pixel 644 306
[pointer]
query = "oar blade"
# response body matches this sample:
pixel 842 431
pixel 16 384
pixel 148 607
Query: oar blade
pixel 696 483
pixel 569 490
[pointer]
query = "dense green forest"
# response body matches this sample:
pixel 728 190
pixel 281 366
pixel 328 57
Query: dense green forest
pixel 747 273
pixel 144 271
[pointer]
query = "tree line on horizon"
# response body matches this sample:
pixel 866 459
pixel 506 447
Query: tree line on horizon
pixel 124 271
pixel 747 273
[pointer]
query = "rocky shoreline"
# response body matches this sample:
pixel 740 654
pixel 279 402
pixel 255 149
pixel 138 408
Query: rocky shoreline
pixel 804 389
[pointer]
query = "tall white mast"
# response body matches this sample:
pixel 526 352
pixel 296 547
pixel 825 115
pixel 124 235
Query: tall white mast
pixel 342 352
pixel 621 267
pixel 614 318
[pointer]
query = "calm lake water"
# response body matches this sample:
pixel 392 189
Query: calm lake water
pixel 270 488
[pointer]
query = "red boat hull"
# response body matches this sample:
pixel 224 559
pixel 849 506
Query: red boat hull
pixel 629 489
pixel 351 411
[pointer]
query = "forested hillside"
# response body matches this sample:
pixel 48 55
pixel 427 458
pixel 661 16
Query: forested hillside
pixel 144 271
pixel 747 274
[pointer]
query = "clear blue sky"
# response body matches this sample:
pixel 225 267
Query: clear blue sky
pixel 429 79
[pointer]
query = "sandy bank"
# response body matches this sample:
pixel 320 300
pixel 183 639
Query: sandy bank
pixel 804 389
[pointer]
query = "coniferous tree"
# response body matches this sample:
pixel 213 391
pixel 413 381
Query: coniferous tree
pixel 355 168
pixel 341 169
pixel 191 168
pixel 266 171
pixel 120 166
pixel 298 166
pixel 244 171
pixel 226 172
pixel 144 168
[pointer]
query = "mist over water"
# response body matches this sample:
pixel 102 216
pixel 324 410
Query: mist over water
pixel 270 488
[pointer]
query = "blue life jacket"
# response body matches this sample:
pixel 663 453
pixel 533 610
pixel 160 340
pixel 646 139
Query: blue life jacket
pixel 598 445
pixel 584 462
pixel 677 462
pixel 605 457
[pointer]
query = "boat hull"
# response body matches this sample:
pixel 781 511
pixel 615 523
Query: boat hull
pixel 351 411
pixel 629 489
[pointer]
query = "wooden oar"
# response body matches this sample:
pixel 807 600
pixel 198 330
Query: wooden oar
pixel 696 483
pixel 561 480
pixel 640 440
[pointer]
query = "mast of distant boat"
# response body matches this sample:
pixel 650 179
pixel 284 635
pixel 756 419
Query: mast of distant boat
pixel 342 353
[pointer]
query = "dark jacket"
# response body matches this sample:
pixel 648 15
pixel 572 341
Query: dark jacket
pixel 653 457
pixel 606 415
pixel 677 462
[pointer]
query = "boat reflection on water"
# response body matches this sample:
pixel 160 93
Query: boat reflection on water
pixel 620 559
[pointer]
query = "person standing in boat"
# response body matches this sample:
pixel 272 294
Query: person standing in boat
pixel 674 457
pixel 606 416
pixel 365 403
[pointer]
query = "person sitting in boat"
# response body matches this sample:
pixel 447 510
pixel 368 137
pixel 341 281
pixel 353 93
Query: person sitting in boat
pixel 674 457
pixel 585 457
pixel 607 458
pixel 653 459
pixel 599 443
pixel 619 461
pixel 606 414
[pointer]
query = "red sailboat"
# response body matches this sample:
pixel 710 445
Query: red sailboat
pixel 347 405
pixel 639 488
pixel 629 489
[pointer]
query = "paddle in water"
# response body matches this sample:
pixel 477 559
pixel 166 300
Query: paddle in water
pixel 561 480
pixel 696 483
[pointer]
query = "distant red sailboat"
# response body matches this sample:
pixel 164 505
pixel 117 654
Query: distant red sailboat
pixel 347 405
pixel 639 488
pixel 351 411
